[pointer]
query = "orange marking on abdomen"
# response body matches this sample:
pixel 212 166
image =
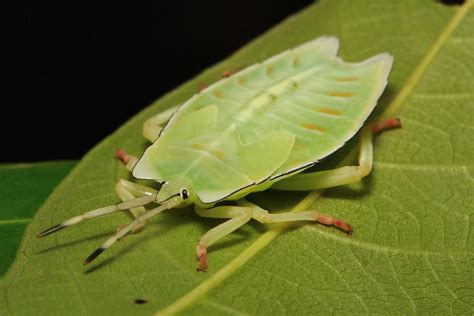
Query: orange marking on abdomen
pixel 202 86
pixel 217 94
pixel 269 70
pixel 295 61
pixel 227 73
pixel 298 145
pixel 347 79
pixel 242 80
pixel 328 111
pixel 219 154
pixel 340 94
pixel 197 146
pixel 313 127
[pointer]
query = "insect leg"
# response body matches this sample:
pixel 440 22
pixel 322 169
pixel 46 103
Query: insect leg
pixel 263 216
pixel 140 201
pixel 238 217
pixel 343 175
pixel 153 126
pixel 127 190
pixel 128 160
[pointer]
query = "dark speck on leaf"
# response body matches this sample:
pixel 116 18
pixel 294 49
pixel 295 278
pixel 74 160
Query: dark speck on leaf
pixel 140 301
pixel 451 2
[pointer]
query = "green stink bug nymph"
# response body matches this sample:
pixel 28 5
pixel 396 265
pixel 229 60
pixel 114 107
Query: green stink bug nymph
pixel 252 130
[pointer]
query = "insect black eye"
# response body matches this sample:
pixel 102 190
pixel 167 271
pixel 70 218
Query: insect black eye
pixel 184 194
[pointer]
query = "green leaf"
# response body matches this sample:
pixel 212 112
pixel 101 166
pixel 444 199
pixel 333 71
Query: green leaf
pixel 411 251
pixel 23 189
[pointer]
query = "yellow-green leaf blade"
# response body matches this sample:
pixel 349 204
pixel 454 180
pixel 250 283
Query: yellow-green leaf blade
pixel 380 269
pixel 24 187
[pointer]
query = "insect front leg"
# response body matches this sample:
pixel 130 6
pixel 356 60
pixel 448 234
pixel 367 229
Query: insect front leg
pixel 238 217
pixel 128 160
pixel 343 175
pixel 153 126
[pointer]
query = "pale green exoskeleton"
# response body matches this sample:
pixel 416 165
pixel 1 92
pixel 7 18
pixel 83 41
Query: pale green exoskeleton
pixel 257 129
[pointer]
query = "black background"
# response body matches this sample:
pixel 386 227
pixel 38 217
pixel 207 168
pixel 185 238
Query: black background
pixel 72 75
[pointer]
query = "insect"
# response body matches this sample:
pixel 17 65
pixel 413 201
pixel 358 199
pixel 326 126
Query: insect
pixel 255 130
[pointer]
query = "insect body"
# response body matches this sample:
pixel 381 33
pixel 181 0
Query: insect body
pixel 256 129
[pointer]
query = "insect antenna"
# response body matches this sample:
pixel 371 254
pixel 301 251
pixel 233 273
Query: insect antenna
pixel 140 201
pixel 137 222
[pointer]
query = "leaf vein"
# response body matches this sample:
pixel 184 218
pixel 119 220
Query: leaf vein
pixel 426 60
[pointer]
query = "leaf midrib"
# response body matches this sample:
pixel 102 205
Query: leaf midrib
pixel 217 278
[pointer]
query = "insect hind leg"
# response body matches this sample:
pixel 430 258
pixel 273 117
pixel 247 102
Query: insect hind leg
pixel 239 215
pixel 343 175
pixel 263 216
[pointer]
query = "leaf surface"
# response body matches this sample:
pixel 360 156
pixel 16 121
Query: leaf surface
pixel 23 189
pixel 411 252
